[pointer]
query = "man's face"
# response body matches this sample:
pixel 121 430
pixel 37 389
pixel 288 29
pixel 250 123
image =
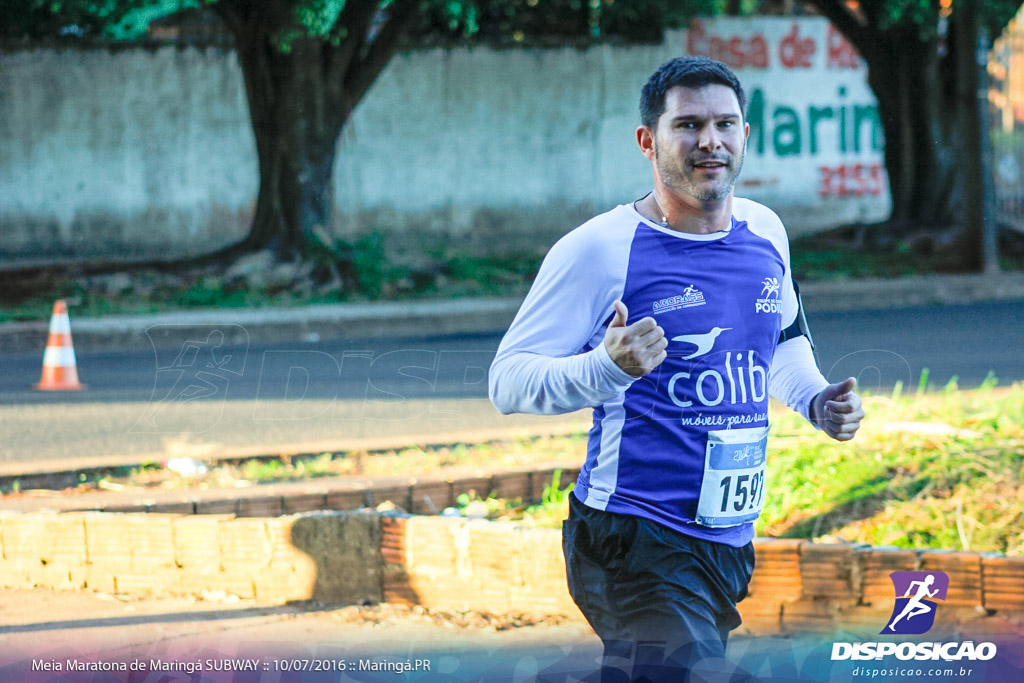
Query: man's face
pixel 700 142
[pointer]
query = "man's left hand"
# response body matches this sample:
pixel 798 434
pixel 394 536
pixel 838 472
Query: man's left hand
pixel 837 410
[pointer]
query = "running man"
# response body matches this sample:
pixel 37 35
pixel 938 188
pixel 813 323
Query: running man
pixel 914 606
pixel 663 315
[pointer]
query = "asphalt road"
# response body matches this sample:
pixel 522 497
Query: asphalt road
pixel 204 399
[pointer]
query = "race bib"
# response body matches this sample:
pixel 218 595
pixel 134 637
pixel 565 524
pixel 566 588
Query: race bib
pixel 733 488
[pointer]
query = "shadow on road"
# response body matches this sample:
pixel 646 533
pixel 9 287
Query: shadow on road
pixel 163 618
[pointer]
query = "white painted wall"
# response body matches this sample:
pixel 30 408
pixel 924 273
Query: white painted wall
pixel 143 152
pixel 132 153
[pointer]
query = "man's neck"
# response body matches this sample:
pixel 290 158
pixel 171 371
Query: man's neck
pixel 692 216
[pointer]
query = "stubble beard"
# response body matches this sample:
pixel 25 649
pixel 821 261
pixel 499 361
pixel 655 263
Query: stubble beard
pixel 679 178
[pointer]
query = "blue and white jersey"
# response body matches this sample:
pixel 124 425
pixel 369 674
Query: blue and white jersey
pixel 673 445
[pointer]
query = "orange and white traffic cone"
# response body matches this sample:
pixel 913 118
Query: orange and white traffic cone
pixel 60 372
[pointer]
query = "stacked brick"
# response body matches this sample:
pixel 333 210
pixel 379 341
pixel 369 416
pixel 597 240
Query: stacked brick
pixel 964 597
pixel 797 586
pixel 1003 583
pixel 396 588
pixel 464 564
pixel 829 585
pixel 460 564
pixel 776 582
pixel 272 559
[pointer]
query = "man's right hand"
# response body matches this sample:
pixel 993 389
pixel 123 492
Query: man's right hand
pixel 636 348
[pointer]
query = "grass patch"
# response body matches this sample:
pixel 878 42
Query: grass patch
pixel 835 256
pixel 929 469
pixel 548 513
pixel 839 255
pixel 369 275
pixel 409 462
pixel 937 470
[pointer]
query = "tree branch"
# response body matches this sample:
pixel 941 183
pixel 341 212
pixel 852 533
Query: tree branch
pixel 846 22
pixel 362 75
pixel 354 21
pixel 231 13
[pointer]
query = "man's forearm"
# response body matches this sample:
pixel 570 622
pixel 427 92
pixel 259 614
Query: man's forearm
pixel 532 383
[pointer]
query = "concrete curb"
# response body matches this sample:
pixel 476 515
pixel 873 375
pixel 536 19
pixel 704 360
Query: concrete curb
pixel 267 326
pixel 921 290
pixel 461 316
pixel 426 494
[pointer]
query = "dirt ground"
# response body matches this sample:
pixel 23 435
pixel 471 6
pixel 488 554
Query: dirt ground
pixel 67 629
pixel 80 637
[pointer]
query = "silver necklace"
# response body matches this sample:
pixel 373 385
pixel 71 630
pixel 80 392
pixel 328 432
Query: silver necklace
pixel 664 217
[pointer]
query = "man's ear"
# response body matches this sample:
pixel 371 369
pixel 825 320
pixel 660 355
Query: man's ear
pixel 645 138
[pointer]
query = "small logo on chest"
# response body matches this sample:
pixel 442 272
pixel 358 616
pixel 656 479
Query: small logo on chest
pixel 690 297
pixel 769 302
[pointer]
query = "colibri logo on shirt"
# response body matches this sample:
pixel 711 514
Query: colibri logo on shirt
pixel 769 301
pixel 690 297
pixel 741 380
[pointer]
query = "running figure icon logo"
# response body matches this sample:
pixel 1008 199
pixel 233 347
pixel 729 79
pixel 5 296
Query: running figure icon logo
pixel 771 286
pixel 769 300
pixel 916 592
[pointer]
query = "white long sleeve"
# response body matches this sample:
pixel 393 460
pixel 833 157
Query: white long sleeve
pixel 552 360
pixel 794 377
pixel 550 386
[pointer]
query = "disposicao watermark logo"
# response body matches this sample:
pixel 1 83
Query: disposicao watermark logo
pixel 916 593
pixel 913 613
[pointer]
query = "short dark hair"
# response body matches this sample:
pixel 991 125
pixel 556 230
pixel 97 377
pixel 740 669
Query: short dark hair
pixel 688 72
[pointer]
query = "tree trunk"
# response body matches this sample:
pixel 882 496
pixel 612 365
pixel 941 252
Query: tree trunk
pixel 296 123
pixel 918 115
pixel 977 244
pixel 922 111
pixel 300 96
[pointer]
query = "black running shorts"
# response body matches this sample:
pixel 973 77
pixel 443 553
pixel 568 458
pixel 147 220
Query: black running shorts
pixel 660 601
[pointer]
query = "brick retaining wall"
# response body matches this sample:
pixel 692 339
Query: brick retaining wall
pixel 798 586
pixel 456 564
pixel 334 557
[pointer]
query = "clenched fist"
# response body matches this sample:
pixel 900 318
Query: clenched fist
pixel 636 348
pixel 838 410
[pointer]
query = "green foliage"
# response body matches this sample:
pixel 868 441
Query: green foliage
pixel 498 22
pixel 493 22
pixel 110 20
pixel 553 508
pixel 993 15
pixel 935 470
pixel 818 258
pixel 553 493
pixel 133 23
pixel 318 17
pixel 922 383
pixel 368 273
pixel 412 461
pixel 489 275
pixel 365 265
